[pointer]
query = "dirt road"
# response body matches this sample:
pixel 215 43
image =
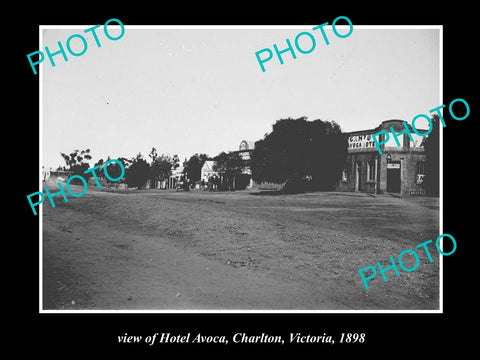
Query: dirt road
pixel 161 250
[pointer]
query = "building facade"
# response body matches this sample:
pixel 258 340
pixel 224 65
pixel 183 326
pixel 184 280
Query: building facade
pixel 398 170
pixel 207 171
pixel 240 181
pixel 244 180
pixel 173 179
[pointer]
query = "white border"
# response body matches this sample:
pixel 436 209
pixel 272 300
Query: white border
pixel 440 203
pixel 240 27
pixel 40 207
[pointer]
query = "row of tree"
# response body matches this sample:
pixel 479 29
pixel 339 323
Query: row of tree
pixel 296 150
pixel 303 154
pixel 138 170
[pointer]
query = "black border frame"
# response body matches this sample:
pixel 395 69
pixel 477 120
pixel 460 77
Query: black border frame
pixel 410 334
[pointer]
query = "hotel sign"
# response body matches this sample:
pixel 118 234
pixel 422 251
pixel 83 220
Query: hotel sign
pixel 361 141
pixel 393 165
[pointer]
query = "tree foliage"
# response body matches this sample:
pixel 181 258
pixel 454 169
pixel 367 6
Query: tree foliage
pixel 115 170
pixel 76 157
pixel 431 181
pixel 303 152
pixel 76 163
pixel 138 173
pixel 228 165
pixel 192 168
pixel 161 166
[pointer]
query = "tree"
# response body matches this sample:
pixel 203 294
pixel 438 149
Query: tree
pixel 307 154
pixel 115 170
pixel 153 154
pixel 138 173
pixel 327 153
pixel 192 168
pixel 228 165
pixel 77 165
pixel 153 171
pixel 100 162
pixel 76 157
pixel 431 181
pixel 161 166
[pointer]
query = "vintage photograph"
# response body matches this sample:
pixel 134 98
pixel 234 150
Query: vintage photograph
pixel 188 173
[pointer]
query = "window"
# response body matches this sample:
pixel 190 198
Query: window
pixel 370 171
pixel 421 167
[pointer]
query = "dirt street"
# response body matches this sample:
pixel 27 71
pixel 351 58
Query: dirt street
pixel 165 250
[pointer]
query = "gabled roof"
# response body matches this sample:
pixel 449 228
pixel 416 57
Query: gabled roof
pixel 208 166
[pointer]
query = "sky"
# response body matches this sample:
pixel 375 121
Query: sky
pixel 201 89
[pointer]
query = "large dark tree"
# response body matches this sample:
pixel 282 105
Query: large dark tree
pixel 431 181
pixel 115 170
pixel 161 166
pixel 192 168
pixel 327 153
pixel 301 152
pixel 229 165
pixel 138 172
pixel 76 157
pixel 76 163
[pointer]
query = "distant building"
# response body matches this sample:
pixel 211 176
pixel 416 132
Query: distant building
pixel 240 181
pixel 45 173
pixel 175 177
pixel 207 170
pixel 59 175
pixel 244 180
pixel 399 169
pixel 245 151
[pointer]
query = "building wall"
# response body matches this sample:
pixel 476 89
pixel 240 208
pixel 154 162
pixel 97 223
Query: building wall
pixel 364 184
pixel 361 152
pixel 408 166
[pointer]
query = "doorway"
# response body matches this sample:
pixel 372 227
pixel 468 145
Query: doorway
pixel 394 177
